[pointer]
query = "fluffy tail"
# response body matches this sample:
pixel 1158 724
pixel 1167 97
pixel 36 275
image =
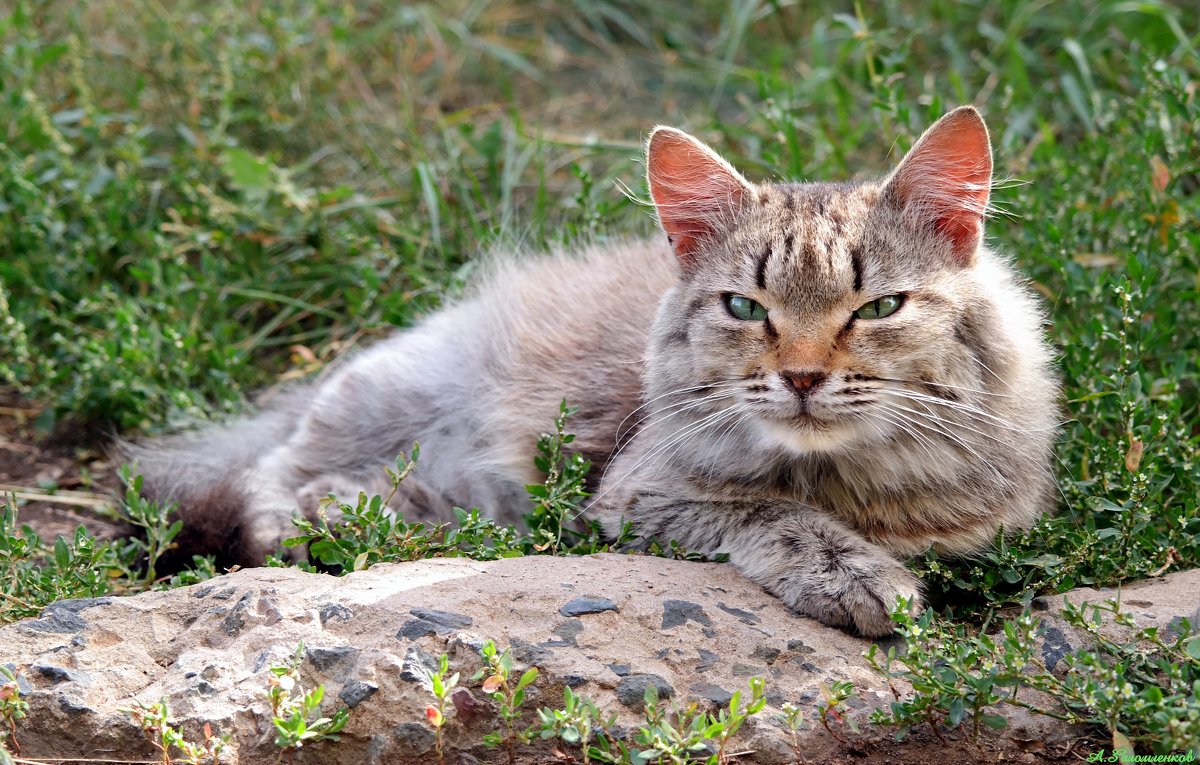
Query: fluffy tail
pixel 206 474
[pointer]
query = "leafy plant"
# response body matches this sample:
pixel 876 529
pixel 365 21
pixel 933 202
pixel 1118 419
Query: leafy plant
pixel 37 573
pixel 558 501
pixel 576 723
pixel 829 709
pixel 12 708
pixel 508 696
pixel 791 717
pixel 669 735
pixel 155 721
pixel 1142 689
pixel 681 737
pixel 442 685
pixel 295 712
pixel 368 532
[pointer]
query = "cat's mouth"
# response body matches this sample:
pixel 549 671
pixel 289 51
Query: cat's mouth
pixel 806 419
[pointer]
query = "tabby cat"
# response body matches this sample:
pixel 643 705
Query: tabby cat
pixel 816 379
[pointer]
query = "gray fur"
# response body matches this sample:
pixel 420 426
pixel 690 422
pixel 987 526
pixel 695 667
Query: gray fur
pixel 932 428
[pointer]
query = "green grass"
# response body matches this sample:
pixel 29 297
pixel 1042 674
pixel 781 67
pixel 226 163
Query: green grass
pixel 199 199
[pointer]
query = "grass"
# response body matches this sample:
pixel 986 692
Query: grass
pixel 200 199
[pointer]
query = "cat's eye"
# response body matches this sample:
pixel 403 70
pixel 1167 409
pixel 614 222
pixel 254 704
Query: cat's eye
pixel 745 309
pixel 880 307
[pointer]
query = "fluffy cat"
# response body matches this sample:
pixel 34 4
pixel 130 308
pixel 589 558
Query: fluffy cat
pixel 813 378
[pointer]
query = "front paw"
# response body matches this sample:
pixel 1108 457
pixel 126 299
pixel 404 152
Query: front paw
pixel 869 598
pixel 859 592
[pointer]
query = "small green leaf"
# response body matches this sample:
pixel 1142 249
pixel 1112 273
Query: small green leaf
pixel 1192 646
pixel 956 712
pixel 62 554
pixel 527 678
pixel 248 172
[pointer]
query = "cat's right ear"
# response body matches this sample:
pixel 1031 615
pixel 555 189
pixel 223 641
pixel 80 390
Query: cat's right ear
pixel 695 191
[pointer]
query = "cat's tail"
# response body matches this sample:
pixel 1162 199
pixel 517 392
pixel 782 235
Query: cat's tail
pixel 207 473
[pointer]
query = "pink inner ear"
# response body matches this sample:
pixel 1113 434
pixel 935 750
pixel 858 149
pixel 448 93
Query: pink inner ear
pixel 694 190
pixel 947 177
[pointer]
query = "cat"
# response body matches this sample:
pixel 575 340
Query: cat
pixel 817 379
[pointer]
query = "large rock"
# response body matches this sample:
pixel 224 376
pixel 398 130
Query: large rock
pixel 606 625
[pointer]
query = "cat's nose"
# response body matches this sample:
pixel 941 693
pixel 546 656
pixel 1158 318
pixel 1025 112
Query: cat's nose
pixel 804 382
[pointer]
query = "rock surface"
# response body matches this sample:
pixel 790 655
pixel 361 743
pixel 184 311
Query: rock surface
pixel 606 625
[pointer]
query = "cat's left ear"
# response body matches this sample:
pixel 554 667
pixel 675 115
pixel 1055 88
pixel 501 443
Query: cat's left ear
pixel 946 180
pixel 696 192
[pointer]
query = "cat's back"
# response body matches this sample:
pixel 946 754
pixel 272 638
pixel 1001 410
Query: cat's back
pixel 573 324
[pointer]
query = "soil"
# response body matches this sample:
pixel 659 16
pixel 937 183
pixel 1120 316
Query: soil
pixel 923 747
pixel 60 479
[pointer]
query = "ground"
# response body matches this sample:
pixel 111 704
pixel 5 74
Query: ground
pixel 75 476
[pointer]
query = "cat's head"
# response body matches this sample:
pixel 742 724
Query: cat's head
pixel 829 314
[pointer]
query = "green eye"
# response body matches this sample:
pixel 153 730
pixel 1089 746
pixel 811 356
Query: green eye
pixel 880 307
pixel 745 309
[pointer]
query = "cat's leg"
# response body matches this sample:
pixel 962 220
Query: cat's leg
pixel 816 565
pixel 289 482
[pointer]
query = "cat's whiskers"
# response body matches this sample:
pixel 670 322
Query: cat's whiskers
pixel 918 438
pixel 667 450
pixel 682 433
pixel 737 413
pixel 966 410
pixel 947 427
pixel 678 408
pixel 936 425
pixel 976 391
pixel 970 412
pixel 676 392
pixel 688 406
pixel 723 437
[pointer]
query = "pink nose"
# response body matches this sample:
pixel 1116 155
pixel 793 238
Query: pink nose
pixel 804 382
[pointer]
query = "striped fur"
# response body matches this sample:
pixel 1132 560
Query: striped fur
pixel 931 428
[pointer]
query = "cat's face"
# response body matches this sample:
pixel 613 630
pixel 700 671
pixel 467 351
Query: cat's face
pixel 831 315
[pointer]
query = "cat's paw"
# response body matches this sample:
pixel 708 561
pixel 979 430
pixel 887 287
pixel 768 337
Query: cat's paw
pixel 859 592
pixel 869 598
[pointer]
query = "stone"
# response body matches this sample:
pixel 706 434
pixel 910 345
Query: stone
pixel 418 628
pixel 567 633
pixel 631 691
pixel 767 653
pixel 443 618
pixel 356 692
pixel 63 616
pixel 677 612
pixel 707 659
pixel 207 650
pixel 582 606
pixel 799 646
pixel 1054 646
pixel 417 666
pixel 334 612
pixel 714 693
pixel 745 616
pixel 331 660
pixel 60 674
